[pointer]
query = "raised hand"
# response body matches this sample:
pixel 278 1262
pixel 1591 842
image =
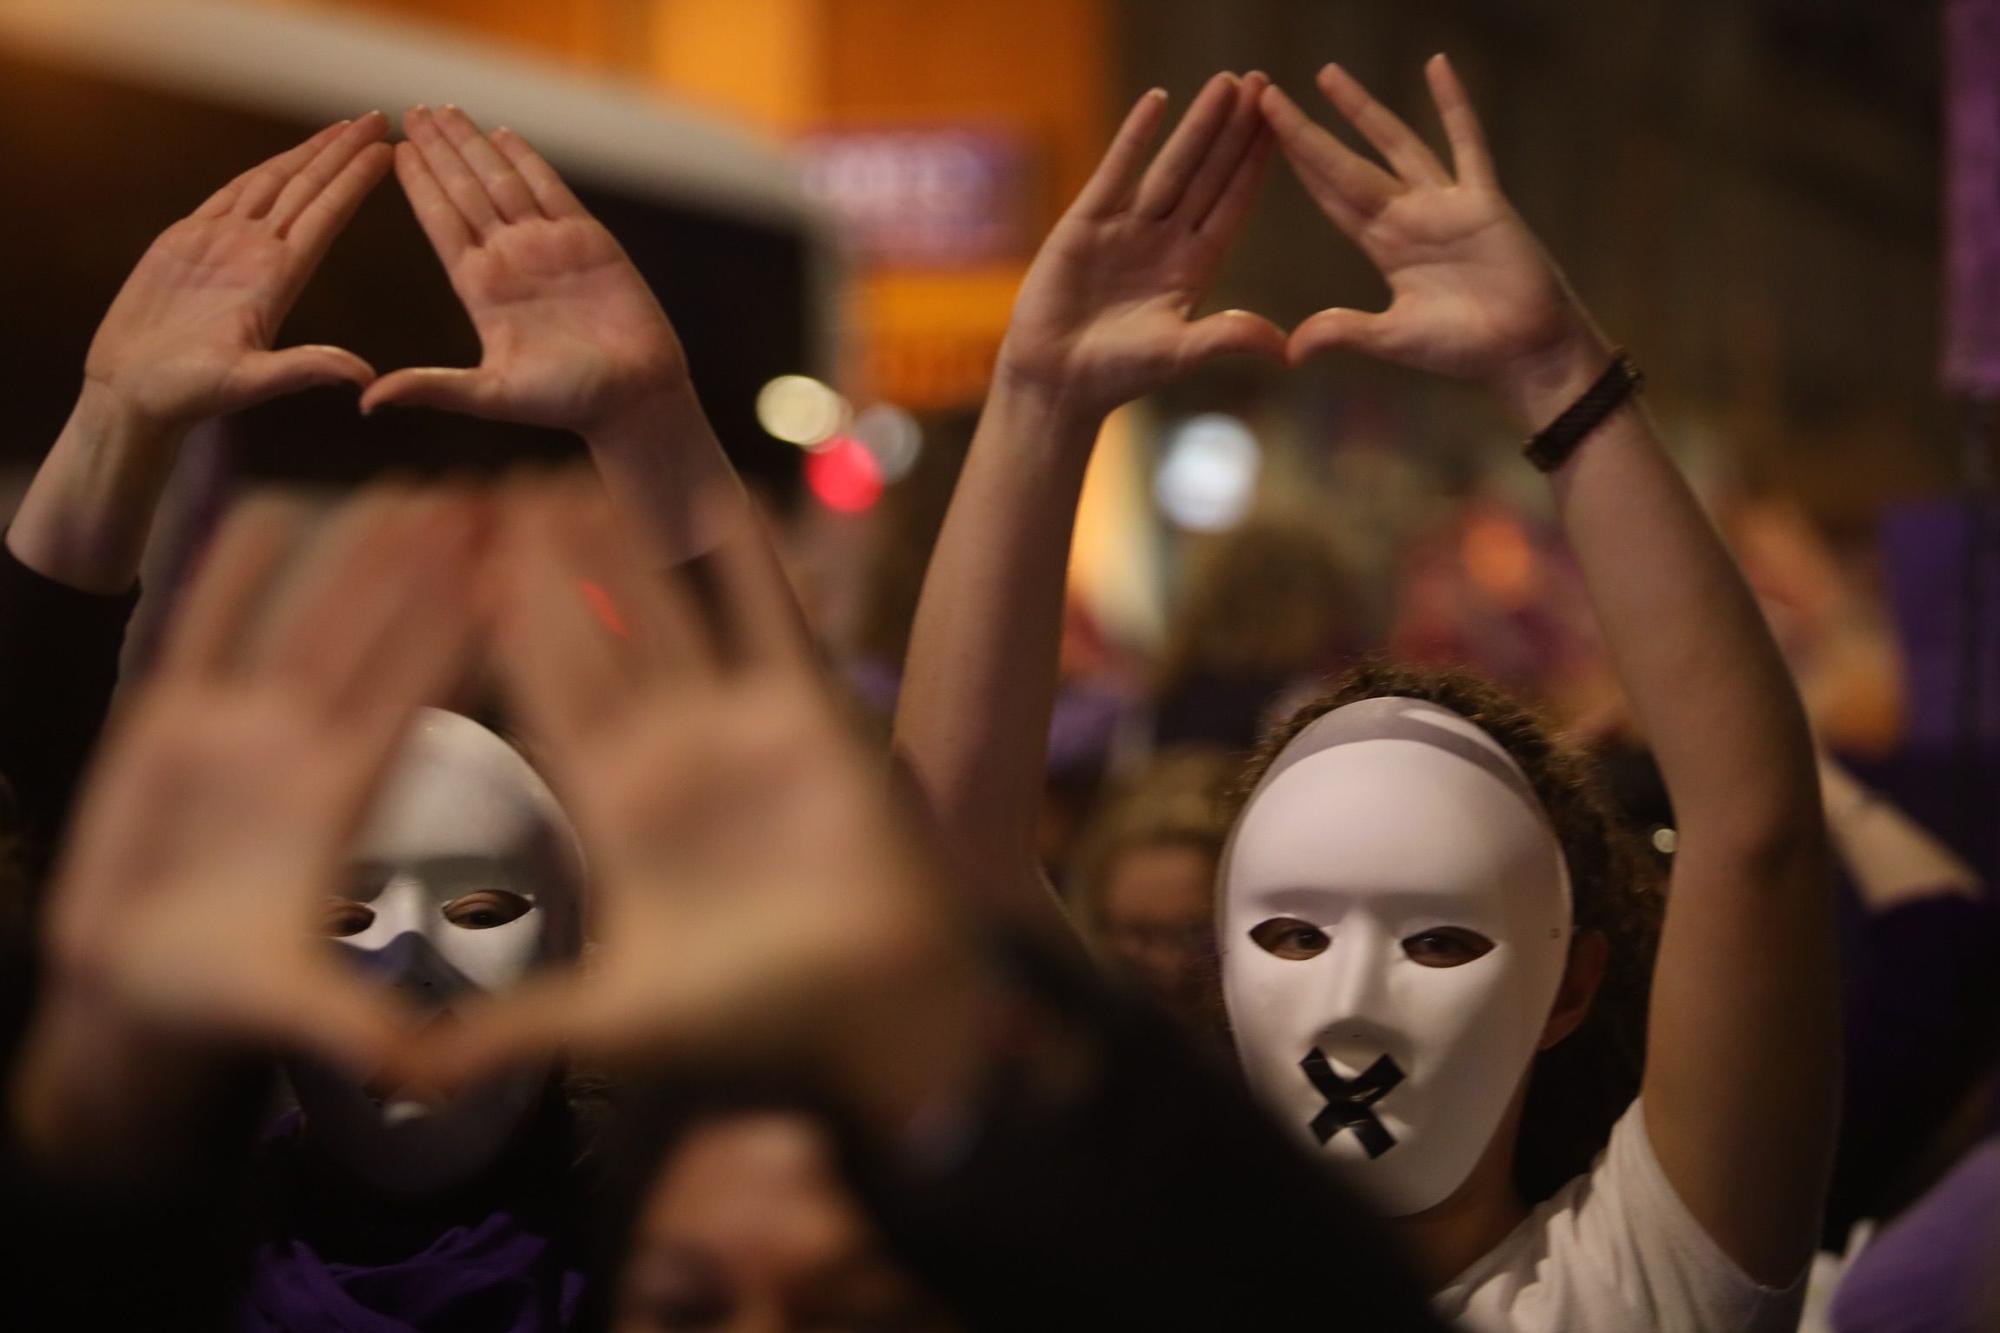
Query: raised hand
pixel 572 337
pixel 1106 312
pixel 1473 293
pixel 190 334
pixel 183 928
pixel 753 890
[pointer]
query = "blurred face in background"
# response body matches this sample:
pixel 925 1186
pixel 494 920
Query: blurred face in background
pixel 1156 925
pixel 749 1226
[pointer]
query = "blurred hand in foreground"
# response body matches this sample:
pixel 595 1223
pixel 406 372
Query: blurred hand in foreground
pixel 754 891
pixel 182 930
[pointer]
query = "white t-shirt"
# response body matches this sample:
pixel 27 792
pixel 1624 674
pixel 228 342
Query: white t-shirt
pixel 1615 1251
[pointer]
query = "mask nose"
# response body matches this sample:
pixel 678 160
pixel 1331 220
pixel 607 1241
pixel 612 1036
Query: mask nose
pixel 412 966
pixel 1353 975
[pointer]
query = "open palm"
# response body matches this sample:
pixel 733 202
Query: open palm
pixel 1106 312
pixel 190 334
pixel 1473 294
pixel 570 334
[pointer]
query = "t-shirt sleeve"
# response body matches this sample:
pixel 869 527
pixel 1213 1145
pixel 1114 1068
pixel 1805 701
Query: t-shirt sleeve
pixel 1629 1226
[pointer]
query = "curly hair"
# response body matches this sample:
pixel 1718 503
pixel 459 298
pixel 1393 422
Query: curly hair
pixel 1580 1086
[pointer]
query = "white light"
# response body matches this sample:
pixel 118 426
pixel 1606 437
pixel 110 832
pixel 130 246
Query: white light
pixel 1208 472
pixel 893 436
pixel 800 410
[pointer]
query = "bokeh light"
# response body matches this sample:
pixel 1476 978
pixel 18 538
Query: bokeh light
pixel 1207 475
pixel 892 436
pixel 800 410
pixel 844 476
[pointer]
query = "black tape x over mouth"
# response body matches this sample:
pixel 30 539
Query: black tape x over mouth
pixel 1349 1102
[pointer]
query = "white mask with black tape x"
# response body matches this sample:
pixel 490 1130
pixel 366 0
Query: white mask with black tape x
pixel 1394 919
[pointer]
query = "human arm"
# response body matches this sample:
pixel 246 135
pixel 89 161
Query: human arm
pixel 190 336
pixel 571 336
pixel 1105 314
pixel 1742 1051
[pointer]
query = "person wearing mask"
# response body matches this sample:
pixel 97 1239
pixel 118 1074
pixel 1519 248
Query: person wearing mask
pixel 1419 908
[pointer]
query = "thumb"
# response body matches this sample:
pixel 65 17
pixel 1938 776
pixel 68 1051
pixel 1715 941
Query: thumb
pixel 342 1021
pixel 1329 330
pixel 266 375
pixel 468 392
pixel 1233 332
pixel 523 1025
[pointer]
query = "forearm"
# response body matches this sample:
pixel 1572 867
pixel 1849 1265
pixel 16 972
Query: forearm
pixel 87 514
pixel 979 685
pixel 1690 646
pixel 1742 1052
pixel 666 472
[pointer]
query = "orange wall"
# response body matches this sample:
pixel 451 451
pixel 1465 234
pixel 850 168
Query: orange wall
pixel 1036 70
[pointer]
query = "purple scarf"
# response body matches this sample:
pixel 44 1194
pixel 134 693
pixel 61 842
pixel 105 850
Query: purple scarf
pixel 504 1269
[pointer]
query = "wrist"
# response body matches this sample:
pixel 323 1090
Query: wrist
pixel 89 508
pixel 664 469
pixel 109 419
pixel 107 405
pixel 1056 414
pixel 656 420
pixel 1541 385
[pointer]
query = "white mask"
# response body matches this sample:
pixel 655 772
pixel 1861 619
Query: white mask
pixel 465 881
pixel 1390 830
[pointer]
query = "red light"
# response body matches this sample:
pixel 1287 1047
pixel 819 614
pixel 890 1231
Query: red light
pixel 844 475
pixel 606 610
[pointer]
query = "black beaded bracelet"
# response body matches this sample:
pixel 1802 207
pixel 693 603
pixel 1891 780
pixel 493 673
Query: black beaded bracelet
pixel 1551 448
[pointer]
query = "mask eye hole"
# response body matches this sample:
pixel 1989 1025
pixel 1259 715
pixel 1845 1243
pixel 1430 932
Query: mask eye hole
pixel 485 909
pixel 1288 937
pixel 1447 946
pixel 346 917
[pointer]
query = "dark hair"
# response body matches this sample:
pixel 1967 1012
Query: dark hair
pixel 1579 1087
